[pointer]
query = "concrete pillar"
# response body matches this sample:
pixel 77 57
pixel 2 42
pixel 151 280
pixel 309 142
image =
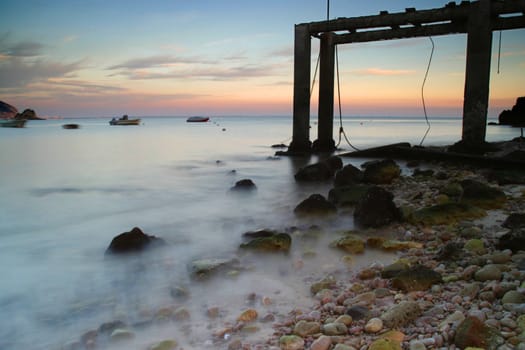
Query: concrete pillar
pixel 477 76
pixel 301 90
pixel 325 141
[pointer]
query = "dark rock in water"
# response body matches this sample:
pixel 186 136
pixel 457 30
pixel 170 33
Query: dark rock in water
pixel 278 242
pixel 381 171
pixel 259 234
pixel 347 195
pixel 506 177
pixel 28 114
pixel 474 333
pixel 133 241
pixel 514 221
pixel 516 115
pixel 482 195
pixel 244 185
pixel 358 312
pixel 322 171
pixel 450 251
pixel 514 240
pixel 466 148
pixel 280 145
pixel 348 175
pixel 7 111
pixel 376 208
pixel 416 278
pixel 203 269
pixel 316 204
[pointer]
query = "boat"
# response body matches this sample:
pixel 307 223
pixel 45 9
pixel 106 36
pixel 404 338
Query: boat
pixel 124 120
pixel 13 123
pixel 197 119
pixel 70 126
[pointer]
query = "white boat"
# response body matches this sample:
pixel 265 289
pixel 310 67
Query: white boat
pixel 124 120
pixel 197 119
pixel 12 123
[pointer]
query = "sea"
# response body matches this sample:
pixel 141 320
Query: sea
pixel 64 195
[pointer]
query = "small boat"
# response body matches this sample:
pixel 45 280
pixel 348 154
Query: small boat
pixel 70 126
pixel 124 120
pixel 197 119
pixel 12 123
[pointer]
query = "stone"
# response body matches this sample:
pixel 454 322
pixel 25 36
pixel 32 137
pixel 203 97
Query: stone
pixel 401 314
pixel 326 283
pixel 133 241
pixel 416 278
pixel 395 245
pixel 304 328
pixel 291 342
pixel 451 251
pixel 322 343
pixel 452 190
pixel 202 269
pixel 350 243
pixel 164 345
pixel 514 221
pixel 514 240
pixel 358 312
pixel 445 214
pixel 381 171
pixel 488 273
pixel 348 176
pixel 385 344
pixel 321 171
pixel 346 319
pixel 119 335
pixel 473 333
pixel 376 209
pixel 416 345
pixel 393 335
pixel 347 196
pixel 249 315
pixel 278 242
pixel 482 195
pixel 395 268
pixel 374 325
pixel 341 346
pixel 513 297
pixel 475 246
pixel 316 204
pixel 244 185
pixel 334 329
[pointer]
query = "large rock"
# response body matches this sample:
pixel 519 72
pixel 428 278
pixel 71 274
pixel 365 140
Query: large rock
pixel 376 208
pixel 514 116
pixel 28 114
pixel 348 175
pixel 316 204
pixel 474 333
pixel 514 240
pixel 7 111
pixel 321 171
pixel 416 278
pixel 515 221
pixel 244 185
pixel 133 241
pixel 482 195
pixel 445 214
pixel 349 195
pixel 381 171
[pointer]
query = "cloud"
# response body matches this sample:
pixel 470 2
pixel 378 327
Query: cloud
pixel 76 86
pixel 155 62
pixel 384 72
pixel 25 49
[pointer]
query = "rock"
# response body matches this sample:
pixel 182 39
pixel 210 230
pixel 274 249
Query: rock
pixel 481 195
pixel 278 242
pixel 451 251
pixel 304 328
pixel 385 344
pixel 349 195
pixel 376 208
pixel 473 333
pixel 401 314
pixel 7 111
pixel 381 171
pixel 108 327
pixel 28 114
pixel 513 297
pixel 514 221
pixel 513 116
pixel 358 312
pixel 291 342
pixel 475 246
pixel 244 185
pixel 321 171
pixel 393 335
pixel 416 345
pixel 349 175
pixel 423 173
pixel 202 269
pixel 249 315
pixel 326 283
pixel 514 240
pixel 416 278
pixel 452 190
pixel 316 204
pixel 133 241
pixel 119 335
pixel 374 325
pixel 350 243
pixel 333 329
pixel 345 319
pixel 488 273
pixel 322 343
pixel 445 214
pixel 392 245
pixel 164 345
pixel 341 346
pixel 395 268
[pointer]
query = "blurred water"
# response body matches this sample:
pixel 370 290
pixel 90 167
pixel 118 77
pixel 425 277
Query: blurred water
pixel 64 194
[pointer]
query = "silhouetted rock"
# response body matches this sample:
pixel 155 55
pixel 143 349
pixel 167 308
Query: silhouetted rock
pixel 7 111
pixel 514 221
pixel 376 208
pixel 321 171
pixel 244 185
pixel 133 241
pixel 514 240
pixel 348 175
pixel 28 114
pixel 348 195
pixel 316 204
pixel 514 116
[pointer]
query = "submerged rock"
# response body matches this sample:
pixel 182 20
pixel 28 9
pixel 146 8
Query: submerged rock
pixel 291 342
pixel 381 171
pixel 244 185
pixel 316 204
pixel 350 243
pixel 277 242
pixel 206 268
pixel 348 175
pixel 133 241
pixel 376 208
pixel 321 171
pixel 348 195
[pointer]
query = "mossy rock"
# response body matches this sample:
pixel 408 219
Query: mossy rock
pixel 350 243
pixel 482 195
pixel 164 345
pixel 446 213
pixel 385 344
pixel 350 195
pixel 475 246
pixel 280 242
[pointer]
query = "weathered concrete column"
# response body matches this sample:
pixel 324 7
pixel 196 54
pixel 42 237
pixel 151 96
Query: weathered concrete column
pixel 477 76
pixel 325 141
pixel 301 90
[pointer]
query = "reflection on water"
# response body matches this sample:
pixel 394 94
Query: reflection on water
pixel 65 194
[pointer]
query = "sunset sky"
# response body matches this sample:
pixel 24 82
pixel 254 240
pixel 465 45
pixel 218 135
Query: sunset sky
pixel 75 58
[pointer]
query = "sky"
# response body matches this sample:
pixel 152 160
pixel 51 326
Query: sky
pixel 97 58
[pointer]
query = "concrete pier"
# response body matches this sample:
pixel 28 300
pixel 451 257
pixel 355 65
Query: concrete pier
pixel 478 19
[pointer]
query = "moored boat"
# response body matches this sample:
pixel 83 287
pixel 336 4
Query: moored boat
pixel 70 126
pixel 124 120
pixel 13 123
pixel 197 119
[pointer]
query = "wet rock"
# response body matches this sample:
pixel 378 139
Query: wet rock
pixel 374 325
pixel 513 297
pixel 482 195
pixel 488 273
pixel 108 327
pixel 326 283
pixel 316 204
pixel 291 342
pixel 445 214
pixel 120 335
pixel 514 240
pixel 376 208
pixel 277 242
pixel 304 328
pixel 385 344
pixel 393 245
pixel 349 195
pixel 475 246
pixel 244 185
pixel 423 173
pixel 401 314
pixel 416 278
pixel 473 333
pixel 451 251
pixel 381 171
pixel 249 315
pixel 322 343
pixel 321 171
pixel 395 268
pixel 133 241
pixel 358 312
pixel 164 345
pixel 349 175
pixel 333 329
pixel 514 221
pixel 202 269
pixel 350 243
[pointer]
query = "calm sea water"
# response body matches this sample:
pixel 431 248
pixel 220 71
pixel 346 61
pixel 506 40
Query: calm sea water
pixel 64 194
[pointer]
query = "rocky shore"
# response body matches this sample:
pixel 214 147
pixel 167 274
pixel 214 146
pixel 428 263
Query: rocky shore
pixel 458 282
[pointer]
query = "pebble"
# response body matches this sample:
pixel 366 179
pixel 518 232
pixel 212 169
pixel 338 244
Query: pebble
pixel 417 345
pixel 374 325
pixel 322 343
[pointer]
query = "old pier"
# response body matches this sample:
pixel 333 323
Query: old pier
pixel 477 19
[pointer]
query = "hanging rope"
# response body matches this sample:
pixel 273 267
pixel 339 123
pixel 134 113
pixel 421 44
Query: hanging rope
pixel 499 50
pixel 315 74
pixel 423 91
